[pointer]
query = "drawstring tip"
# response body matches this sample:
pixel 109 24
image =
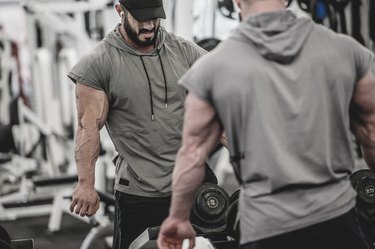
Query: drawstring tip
pixel 152 117
pixel 166 105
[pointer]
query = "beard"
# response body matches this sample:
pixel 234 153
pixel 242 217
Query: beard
pixel 133 35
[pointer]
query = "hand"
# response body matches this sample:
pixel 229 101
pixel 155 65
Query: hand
pixel 173 231
pixel 85 200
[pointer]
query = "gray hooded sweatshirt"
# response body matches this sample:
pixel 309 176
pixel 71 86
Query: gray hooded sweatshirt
pixel 282 87
pixel 145 106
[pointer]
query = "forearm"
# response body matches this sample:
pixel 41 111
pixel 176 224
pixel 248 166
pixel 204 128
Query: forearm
pixel 187 178
pixel 92 111
pixel 189 171
pixel 200 134
pixel 86 153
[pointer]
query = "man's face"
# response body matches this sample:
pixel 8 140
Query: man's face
pixel 141 33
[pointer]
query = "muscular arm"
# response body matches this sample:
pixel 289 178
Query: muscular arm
pixel 92 110
pixel 362 114
pixel 201 133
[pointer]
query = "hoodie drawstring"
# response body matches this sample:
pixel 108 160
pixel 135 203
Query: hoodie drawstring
pixel 165 82
pixel 150 88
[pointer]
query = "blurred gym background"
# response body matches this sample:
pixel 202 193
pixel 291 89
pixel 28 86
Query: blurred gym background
pixel 40 40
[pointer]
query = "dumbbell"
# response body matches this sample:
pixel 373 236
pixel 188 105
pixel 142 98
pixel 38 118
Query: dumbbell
pixel 209 208
pixel 234 197
pixel 4 239
pixel 363 182
pixel 232 218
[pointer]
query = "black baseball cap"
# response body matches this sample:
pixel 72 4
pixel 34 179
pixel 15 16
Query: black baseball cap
pixel 143 10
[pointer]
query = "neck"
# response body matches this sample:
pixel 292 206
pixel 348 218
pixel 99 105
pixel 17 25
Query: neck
pixel 258 7
pixel 127 40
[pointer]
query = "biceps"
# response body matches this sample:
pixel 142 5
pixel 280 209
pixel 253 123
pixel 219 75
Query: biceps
pixel 92 106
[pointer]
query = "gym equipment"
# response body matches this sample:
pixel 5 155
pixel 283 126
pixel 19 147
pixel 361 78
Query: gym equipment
pixel 18 198
pixel 147 240
pixel 209 208
pixel 22 244
pixel 371 25
pixel 363 182
pixel 60 186
pixel 339 6
pixel 356 21
pixel 211 202
pixel 226 8
pixel 210 176
pixel 208 43
pixel 29 133
pixel 234 197
pixel 7 243
pixel 7 141
pixel 4 236
pixel 232 217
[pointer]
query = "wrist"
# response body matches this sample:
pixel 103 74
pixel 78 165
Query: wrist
pixel 182 214
pixel 86 182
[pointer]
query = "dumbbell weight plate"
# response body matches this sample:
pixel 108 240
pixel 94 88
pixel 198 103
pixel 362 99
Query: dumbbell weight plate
pixel 359 174
pixel 366 190
pixel 210 206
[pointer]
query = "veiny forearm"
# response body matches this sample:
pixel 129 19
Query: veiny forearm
pixel 92 111
pixel 201 134
pixel 86 153
pixel 187 178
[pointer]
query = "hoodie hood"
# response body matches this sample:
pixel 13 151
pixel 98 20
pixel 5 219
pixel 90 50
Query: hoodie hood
pixel 278 36
pixel 113 39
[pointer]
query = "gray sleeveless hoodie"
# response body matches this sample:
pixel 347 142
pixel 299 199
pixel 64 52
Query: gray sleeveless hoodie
pixel 146 106
pixel 282 87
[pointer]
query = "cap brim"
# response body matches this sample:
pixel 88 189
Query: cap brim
pixel 142 15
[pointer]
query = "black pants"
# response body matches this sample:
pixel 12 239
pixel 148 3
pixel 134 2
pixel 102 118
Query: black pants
pixel 343 232
pixel 133 214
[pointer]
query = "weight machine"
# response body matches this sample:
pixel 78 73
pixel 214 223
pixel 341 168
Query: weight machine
pixel 33 156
